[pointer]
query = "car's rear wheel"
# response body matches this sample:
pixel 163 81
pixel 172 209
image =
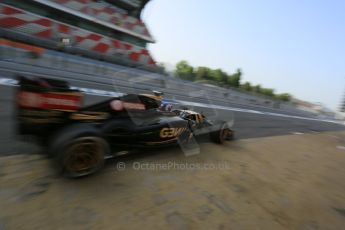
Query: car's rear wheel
pixel 83 156
pixel 78 150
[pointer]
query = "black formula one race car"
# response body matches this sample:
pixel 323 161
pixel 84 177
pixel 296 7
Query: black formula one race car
pixel 80 138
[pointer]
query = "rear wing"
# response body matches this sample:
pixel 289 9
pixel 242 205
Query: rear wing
pixel 43 93
pixel 43 104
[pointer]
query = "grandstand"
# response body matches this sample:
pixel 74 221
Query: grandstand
pixel 105 30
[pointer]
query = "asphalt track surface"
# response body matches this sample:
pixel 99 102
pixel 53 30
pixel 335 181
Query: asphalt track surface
pixel 248 121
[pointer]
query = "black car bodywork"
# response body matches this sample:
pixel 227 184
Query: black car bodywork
pixel 81 137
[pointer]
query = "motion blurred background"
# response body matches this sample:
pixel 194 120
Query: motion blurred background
pixel 274 68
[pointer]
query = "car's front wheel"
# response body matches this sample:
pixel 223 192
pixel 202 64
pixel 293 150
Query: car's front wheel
pixel 222 134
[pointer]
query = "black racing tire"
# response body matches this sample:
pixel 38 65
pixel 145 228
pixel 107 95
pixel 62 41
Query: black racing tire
pixel 78 150
pixel 222 134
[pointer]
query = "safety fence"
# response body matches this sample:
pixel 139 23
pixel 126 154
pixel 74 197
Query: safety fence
pixel 100 75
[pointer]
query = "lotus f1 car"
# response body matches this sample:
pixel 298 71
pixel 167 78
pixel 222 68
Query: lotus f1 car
pixel 80 138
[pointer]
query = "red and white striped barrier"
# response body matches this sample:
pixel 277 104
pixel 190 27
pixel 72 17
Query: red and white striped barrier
pixel 24 22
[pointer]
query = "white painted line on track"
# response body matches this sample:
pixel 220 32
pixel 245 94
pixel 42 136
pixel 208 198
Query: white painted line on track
pixel 190 103
pixel 256 112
